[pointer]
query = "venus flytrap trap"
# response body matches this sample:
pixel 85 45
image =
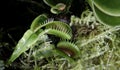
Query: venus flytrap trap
pixel 38 21
pixel 69 48
pixel 60 29
pixel 59 6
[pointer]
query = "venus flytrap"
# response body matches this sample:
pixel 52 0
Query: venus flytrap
pixel 40 27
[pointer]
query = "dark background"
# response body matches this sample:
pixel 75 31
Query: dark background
pixel 22 12
pixel 17 15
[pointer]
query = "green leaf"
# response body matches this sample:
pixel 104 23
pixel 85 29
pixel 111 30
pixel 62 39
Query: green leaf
pixel 109 7
pixel 105 18
pixel 102 10
pixel 28 39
